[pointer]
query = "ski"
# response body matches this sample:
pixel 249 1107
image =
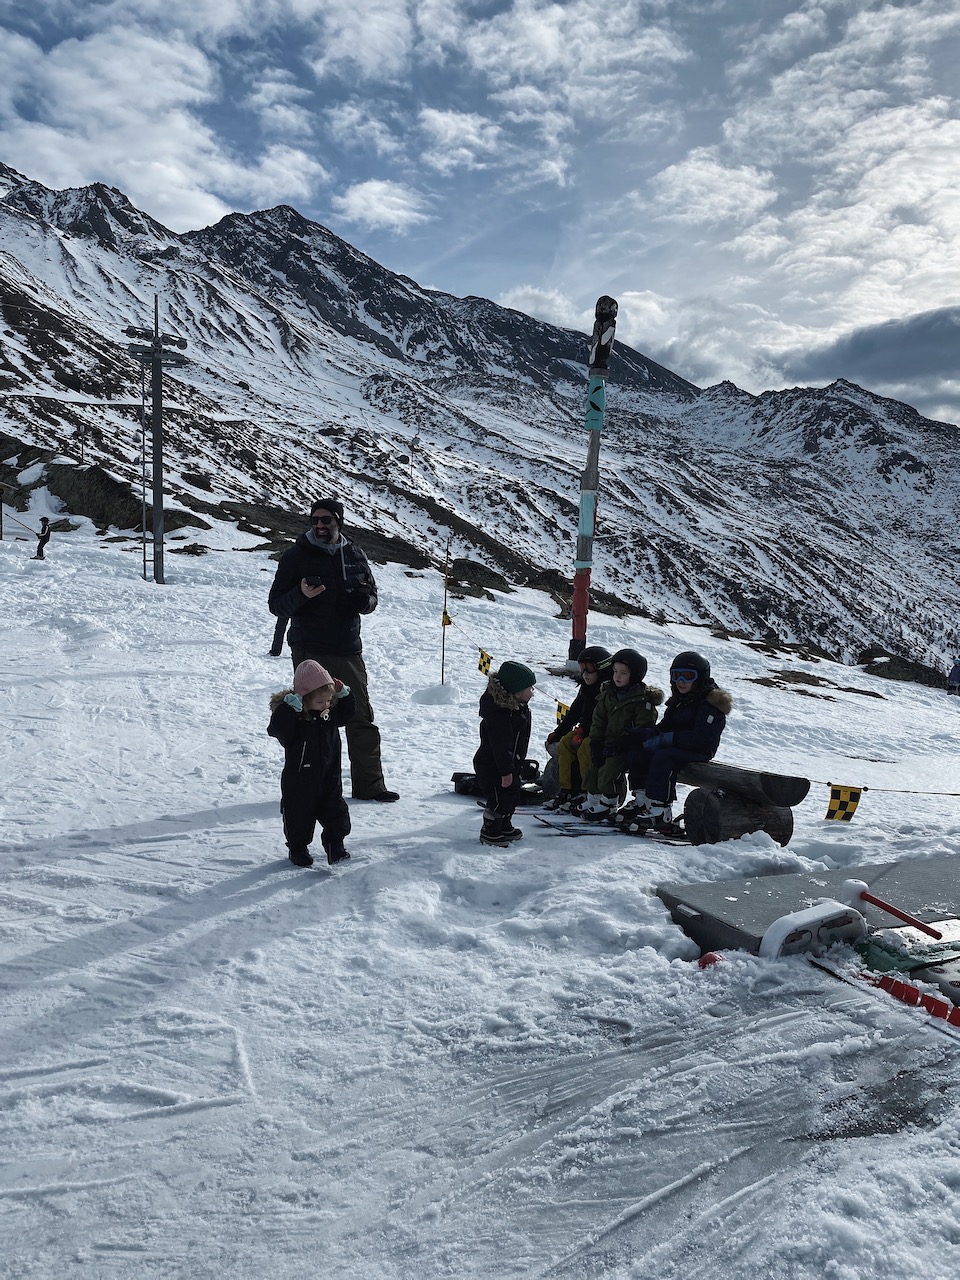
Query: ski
pixel 942 1015
pixel 574 827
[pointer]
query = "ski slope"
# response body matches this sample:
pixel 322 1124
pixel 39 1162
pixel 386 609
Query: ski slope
pixel 439 1059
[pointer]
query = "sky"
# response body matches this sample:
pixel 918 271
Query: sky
pixel 438 1059
pixel 769 187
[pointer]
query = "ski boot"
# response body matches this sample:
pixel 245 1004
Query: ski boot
pixel 560 803
pixel 598 808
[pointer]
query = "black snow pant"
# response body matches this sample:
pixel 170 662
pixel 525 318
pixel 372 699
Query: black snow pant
pixel 501 801
pixel 302 808
pixel 655 772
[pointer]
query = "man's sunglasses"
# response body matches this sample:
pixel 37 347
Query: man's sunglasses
pixel 323 519
pixel 683 673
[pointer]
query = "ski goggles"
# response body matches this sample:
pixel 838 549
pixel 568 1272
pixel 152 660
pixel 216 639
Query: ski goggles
pixel 683 673
pixel 588 668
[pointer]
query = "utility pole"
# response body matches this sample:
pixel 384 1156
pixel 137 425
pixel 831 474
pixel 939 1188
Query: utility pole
pixel 156 356
pixel 601 344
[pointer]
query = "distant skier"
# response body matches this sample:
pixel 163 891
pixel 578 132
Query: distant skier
pixel 953 679
pixel 43 537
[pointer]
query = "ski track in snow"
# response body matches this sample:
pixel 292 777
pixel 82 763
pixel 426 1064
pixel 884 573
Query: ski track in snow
pixel 439 1060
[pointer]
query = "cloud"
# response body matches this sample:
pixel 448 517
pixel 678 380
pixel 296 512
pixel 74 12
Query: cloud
pixel 381 204
pixel 549 305
pixel 913 359
pixel 276 101
pixel 459 140
pixel 354 125
pixel 138 128
pixel 372 40
pixel 704 191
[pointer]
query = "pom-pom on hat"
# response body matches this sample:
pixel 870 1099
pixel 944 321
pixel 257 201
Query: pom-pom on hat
pixel 309 676
pixel 515 677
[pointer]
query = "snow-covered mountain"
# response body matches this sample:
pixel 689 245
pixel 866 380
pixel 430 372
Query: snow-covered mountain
pixel 819 516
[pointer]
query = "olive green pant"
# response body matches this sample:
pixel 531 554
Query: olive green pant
pixel 363 736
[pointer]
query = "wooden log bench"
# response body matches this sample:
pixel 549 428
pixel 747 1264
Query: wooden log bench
pixel 728 802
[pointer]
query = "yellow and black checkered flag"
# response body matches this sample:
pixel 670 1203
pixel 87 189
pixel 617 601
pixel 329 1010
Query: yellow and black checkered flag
pixel 485 661
pixel 562 710
pixel 843 803
pixel 447 620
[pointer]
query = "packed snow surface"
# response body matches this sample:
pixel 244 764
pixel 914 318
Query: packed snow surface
pixel 438 1059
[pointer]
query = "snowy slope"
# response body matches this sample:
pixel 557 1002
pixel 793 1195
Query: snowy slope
pixel 819 516
pixel 440 1059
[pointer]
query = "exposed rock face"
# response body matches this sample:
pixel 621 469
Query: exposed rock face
pixel 822 517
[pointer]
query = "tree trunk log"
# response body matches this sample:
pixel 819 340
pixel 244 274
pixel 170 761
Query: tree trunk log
pixel 761 788
pixel 713 816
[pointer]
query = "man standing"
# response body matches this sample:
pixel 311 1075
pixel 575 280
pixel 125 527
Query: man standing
pixel 323 584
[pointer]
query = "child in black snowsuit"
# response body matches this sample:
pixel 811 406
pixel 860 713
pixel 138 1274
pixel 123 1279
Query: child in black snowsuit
pixel 693 720
pixel 306 721
pixel 504 738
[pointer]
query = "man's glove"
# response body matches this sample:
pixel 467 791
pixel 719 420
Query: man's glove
pixel 294 700
pixel 658 742
pixel 551 738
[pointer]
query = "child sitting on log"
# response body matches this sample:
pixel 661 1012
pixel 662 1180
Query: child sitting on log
pixel 625 704
pixel 570 740
pixel 693 720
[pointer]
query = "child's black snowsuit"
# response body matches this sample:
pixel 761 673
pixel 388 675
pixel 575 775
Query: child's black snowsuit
pixel 311 787
pixel 504 738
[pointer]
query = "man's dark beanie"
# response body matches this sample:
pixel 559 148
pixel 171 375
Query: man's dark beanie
pixel 329 504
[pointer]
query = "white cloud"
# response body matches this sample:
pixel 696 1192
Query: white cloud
pixel 549 305
pixel 460 140
pixel 276 101
pixel 378 203
pixel 703 191
pixel 353 124
pixel 372 40
pixel 138 128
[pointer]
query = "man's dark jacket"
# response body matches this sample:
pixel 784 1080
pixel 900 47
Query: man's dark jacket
pixel 330 622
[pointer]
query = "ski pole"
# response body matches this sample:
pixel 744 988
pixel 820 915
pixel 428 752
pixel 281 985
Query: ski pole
pixel 852 891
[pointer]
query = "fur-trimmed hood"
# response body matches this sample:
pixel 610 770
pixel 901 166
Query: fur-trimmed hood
pixel 501 696
pixel 720 699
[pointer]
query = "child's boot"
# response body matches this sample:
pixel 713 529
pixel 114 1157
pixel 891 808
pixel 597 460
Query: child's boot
pixel 560 803
pixel 300 857
pixel 492 831
pixel 654 816
pixel 598 808
pixel 335 850
pixel 510 832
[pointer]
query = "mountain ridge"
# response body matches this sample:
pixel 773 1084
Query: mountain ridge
pixel 817 515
